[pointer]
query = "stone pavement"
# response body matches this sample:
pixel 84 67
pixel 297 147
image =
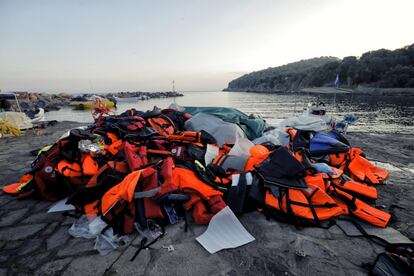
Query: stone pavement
pixel 34 242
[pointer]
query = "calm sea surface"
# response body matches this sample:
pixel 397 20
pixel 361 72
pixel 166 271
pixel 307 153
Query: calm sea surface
pixel 387 114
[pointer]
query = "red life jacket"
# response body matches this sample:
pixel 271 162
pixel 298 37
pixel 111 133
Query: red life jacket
pixel 136 156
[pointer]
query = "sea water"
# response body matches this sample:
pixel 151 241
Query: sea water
pixel 385 114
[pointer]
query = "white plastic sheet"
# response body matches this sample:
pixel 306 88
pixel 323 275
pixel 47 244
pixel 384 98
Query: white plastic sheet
pixel 211 152
pixel 61 206
pixel 241 147
pixel 224 231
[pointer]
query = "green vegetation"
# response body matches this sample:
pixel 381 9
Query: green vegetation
pixel 381 68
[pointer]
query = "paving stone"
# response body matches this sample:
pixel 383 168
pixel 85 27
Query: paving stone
pixel 76 246
pixel 354 250
pixel 54 267
pixel 20 232
pixel 12 216
pixel 43 217
pixel 91 265
pixel 12 245
pixel 201 262
pixel 42 205
pixel 60 237
pixel 123 266
pixel 336 231
pixel 4 199
pixel 30 262
pixel 51 228
pixel 68 221
pixel 30 246
pixel 315 232
pixel 4 258
pixel 19 204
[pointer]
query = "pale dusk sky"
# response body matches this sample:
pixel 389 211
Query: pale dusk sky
pixel 84 46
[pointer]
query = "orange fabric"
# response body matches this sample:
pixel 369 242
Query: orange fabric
pixel 91 209
pixel 225 149
pixel 115 147
pixel 124 190
pixel 160 152
pixel 186 137
pixel 259 151
pixel 163 125
pixel 357 187
pixel 371 214
pixel 112 136
pixel 89 166
pixel 187 181
pixel 69 169
pixel 364 170
pixel 319 198
pixel 258 154
pixel 364 211
pixel 338 159
pixel 14 189
pixel 317 180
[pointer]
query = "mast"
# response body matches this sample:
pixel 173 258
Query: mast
pixel 173 86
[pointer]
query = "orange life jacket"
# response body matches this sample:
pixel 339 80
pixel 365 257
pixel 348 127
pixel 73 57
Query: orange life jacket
pixel 258 154
pixel 356 187
pixel 162 124
pixel 123 191
pixel 91 209
pixel 115 147
pixel 69 169
pixel 363 170
pixel 360 208
pixel 89 166
pixel 312 204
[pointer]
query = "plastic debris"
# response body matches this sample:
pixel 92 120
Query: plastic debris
pixel 224 231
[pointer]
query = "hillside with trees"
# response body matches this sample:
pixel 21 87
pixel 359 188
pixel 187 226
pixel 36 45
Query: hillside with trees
pixel 380 69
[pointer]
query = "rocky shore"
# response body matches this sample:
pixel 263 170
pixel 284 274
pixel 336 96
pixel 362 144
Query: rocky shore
pixel 56 101
pixel 35 242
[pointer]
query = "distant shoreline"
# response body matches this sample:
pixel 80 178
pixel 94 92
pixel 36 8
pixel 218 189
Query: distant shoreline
pixel 360 90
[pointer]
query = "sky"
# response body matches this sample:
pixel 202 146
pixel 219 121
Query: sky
pixel 102 46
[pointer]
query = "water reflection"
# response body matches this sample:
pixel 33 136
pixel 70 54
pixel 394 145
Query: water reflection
pixel 387 114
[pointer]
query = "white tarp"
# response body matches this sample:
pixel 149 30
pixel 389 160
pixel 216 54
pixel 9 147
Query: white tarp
pixel 306 122
pixel 223 132
pixel 224 231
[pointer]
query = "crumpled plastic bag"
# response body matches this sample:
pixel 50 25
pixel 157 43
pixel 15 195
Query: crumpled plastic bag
pixel 105 242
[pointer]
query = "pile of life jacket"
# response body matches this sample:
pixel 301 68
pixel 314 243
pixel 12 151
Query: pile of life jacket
pixel 144 168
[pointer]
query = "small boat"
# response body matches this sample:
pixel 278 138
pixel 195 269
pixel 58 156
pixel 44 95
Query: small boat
pixel 90 103
pixel 36 116
pixel 126 99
